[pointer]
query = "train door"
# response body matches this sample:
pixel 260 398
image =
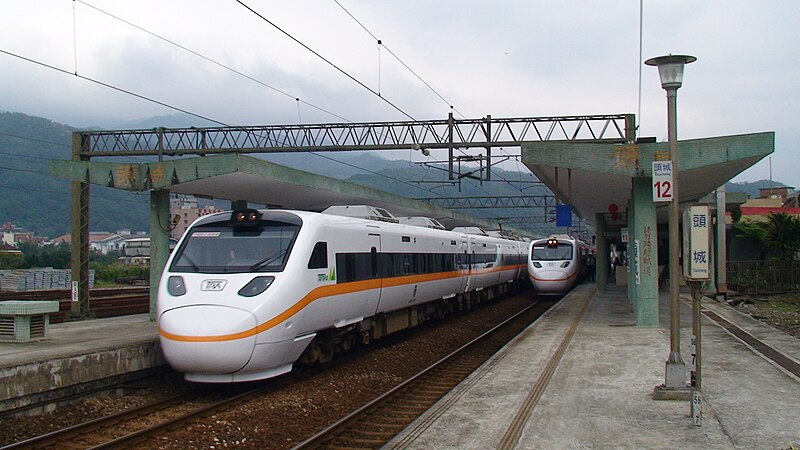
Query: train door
pixel 470 263
pixel 373 295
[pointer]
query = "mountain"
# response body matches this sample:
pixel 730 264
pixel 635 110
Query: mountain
pixel 751 187
pixel 168 121
pixel 35 200
pixel 39 202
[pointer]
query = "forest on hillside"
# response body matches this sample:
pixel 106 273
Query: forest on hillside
pixel 39 202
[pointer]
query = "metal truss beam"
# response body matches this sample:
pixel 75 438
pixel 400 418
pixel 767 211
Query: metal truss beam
pixel 431 134
pixel 524 219
pixel 517 201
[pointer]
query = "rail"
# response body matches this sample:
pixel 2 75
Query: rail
pixel 376 423
pixel 104 302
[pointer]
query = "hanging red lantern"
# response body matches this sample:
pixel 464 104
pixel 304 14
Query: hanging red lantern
pixel 613 209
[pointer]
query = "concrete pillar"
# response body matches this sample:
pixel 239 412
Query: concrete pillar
pixel 159 242
pixel 721 246
pixel 645 231
pixel 601 261
pixel 630 214
pixel 79 264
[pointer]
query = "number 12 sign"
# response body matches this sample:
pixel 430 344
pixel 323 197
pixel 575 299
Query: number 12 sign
pixel 662 181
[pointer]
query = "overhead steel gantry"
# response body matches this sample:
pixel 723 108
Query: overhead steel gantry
pixel 478 202
pixel 449 134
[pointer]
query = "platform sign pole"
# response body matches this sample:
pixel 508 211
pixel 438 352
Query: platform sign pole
pixel 696 271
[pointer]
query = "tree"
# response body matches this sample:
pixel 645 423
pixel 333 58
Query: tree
pixel 780 234
pixel 10 261
pixel 55 256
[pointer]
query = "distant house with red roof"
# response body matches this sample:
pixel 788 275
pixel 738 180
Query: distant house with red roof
pixel 13 235
pixel 101 241
pixel 782 199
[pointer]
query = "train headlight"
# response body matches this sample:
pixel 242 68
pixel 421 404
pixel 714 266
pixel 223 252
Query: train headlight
pixel 256 286
pixel 565 264
pixel 537 265
pixel 175 286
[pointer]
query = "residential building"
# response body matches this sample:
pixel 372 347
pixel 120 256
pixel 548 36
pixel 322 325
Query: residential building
pixel 13 235
pixel 137 250
pixel 103 241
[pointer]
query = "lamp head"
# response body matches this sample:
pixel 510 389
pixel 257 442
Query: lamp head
pixel 670 69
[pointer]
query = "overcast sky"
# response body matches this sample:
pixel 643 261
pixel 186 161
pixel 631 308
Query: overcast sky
pixel 504 58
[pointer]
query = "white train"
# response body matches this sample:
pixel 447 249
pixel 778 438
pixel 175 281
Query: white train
pixel 247 294
pixel 556 264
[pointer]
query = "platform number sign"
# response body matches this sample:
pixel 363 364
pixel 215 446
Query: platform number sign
pixel 662 181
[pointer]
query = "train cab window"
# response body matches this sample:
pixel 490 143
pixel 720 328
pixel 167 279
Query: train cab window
pixel 319 256
pixel 221 248
pixel 541 251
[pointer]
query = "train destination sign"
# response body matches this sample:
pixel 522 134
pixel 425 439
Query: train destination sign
pixel 662 181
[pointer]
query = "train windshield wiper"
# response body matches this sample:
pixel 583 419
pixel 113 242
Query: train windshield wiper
pixel 267 261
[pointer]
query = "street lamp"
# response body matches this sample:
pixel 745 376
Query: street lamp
pixel 670 69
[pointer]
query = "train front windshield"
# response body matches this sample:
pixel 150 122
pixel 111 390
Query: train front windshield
pixel 543 252
pixel 223 249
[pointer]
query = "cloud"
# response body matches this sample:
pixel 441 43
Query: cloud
pixel 506 58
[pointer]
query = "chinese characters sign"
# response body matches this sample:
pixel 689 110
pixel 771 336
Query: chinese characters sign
pixel 662 181
pixel 696 243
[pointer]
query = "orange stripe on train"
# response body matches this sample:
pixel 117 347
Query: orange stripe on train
pixel 330 291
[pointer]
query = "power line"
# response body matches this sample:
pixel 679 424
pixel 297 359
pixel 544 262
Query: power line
pixel 24 170
pixel 157 102
pixel 26 189
pixel 380 43
pixel 110 86
pixel 326 60
pixel 213 61
pixel 35 140
pixel 17 155
pixel 252 79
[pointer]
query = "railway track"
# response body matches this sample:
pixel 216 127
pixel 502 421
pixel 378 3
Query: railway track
pixel 167 422
pixel 103 302
pixel 376 423
pixel 127 428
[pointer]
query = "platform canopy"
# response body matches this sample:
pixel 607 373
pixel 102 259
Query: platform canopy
pixel 242 177
pixel 594 177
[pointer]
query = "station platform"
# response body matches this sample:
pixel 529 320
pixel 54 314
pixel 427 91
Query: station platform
pixel 74 354
pixel 599 392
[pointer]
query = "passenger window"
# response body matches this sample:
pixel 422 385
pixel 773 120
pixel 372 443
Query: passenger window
pixel 319 257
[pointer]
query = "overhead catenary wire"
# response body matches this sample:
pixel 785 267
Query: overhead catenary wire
pixel 183 110
pixel 178 109
pixel 15 169
pixel 111 86
pixel 34 157
pixel 342 71
pixel 297 99
pixel 382 44
pixel 35 140
pixel 66 192
pixel 213 61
